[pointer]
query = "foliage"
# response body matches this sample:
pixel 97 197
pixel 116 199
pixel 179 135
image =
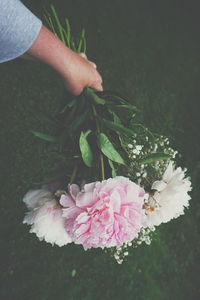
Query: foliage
pixel 96 118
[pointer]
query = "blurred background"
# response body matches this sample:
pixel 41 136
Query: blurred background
pixel 149 51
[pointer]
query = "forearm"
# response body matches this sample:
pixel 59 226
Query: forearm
pixel 76 70
pixel 22 34
pixel 49 49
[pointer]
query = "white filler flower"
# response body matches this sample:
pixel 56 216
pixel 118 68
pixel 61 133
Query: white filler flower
pixel 169 197
pixel 45 217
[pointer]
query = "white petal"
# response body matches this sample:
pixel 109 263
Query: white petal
pixel 158 185
pixel 48 224
pixel 168 173
pixel 37 198
pixel 173 197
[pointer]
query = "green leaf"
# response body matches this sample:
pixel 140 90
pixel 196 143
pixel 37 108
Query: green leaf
pixel 78 121
pixel 68 105
pixel 84 45
pixel 87 132
pixel 50 23
pixel 81 40
pixel 60 28
pixel 73 46
pixel 111 97
pixel 79 46
pixel 82 33
pixel 116 119
pixel 114 95
pixel 91 94
pixel 128 106
pixel 85 148
pixel 114 174
pixel 44 136
pixel 108 149
pixel 154 157
pixel 117 127
pixel 98 100
pixel 67 32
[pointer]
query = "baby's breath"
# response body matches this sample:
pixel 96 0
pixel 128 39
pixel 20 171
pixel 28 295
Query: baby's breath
pixel 142 146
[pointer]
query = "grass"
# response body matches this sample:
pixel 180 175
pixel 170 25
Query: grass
pixel 148 51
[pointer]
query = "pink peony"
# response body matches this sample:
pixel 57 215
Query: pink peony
pixel 104 214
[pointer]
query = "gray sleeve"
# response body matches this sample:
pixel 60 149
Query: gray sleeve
pixel 18 29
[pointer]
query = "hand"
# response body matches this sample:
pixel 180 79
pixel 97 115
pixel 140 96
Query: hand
pixel 81 73
pixel 75 69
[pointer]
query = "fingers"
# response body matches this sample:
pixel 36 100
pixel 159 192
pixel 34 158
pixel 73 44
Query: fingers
pixel 84 74
pixel 97 85
pixel 75 90
pixel 97 82
pixel 93 64
pixel 83 55
pixel 78 89
pixel 98 88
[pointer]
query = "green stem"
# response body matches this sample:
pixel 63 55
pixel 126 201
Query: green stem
pixel 73 176
pixel 102 167
pixel 96 120
pixel 99 131
pixel 147 180
pixel 145 129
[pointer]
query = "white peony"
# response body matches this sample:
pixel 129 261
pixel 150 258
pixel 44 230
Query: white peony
pixel 45 217
pixel 169 197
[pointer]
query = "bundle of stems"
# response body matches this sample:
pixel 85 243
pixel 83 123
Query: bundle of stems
pixel 91 132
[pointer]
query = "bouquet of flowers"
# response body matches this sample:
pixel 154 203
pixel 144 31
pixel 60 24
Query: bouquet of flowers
pixel 116 180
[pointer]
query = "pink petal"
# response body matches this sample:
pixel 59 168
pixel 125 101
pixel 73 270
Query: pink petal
pixel 82 218
pixel 82 229
pixel 74 190
pixel 71 212
pixel 85 199
pixel 67 201
pixel 89 187
pixel 115 201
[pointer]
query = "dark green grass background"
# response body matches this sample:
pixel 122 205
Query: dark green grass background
pixel 150 52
